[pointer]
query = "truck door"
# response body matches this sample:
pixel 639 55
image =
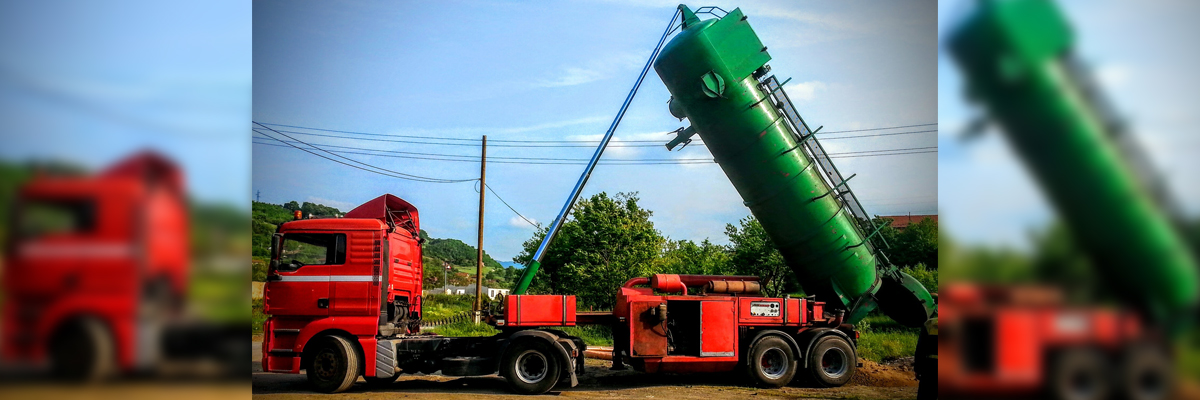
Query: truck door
pixel 300 283
pixel 354 287
pixel 718 329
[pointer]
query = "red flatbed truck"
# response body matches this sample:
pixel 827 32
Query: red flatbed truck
pixel 344 300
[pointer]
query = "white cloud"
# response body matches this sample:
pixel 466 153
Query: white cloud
pixel 823 21
pixel 517 222
pixel 340 205
pixel 1113 76
pixel 805 91
pixel 596 69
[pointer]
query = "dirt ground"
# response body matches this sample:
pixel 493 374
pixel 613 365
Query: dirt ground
pixel 874 381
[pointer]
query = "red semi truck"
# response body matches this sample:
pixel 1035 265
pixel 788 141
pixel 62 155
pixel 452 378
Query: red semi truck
pixel 94 265
pixel 344 300
pixel 96 276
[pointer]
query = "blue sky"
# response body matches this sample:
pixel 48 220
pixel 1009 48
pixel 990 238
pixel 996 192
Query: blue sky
pixel 985 195
pixel 518 71
pixel 91 82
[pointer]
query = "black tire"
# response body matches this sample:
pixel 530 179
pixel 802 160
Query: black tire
pixel 1079 374
pixel 83 352
pixel 927 387
pixel 1146 373
pixel 531 366
pixel 771 363
pixel 832 362
pixel 334 365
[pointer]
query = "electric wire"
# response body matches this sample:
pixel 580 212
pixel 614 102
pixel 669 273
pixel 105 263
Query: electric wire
pixel 535 225
pixel 562 141
pixel 686 161
pixel 395 174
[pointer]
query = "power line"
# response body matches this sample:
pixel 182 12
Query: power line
pixel 489 188
pixel 474 158
pixel 875 135
pixel 552 161
pixel 553 141
pixel 881 129
pixel 612 162
pixel 395 174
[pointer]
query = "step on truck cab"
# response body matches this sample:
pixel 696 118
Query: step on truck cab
pixel 343 297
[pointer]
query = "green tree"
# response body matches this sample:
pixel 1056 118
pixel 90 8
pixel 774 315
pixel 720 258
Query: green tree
pixel 291 206
pixel 916 244
pixel 753 253
pixel 687 257
pixel 605 241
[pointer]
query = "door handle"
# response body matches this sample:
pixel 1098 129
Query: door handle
pixel 322 303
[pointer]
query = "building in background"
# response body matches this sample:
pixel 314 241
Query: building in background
pixel 899 222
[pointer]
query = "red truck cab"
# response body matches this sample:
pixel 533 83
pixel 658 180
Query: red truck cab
pixel 359 276
pixel 94 265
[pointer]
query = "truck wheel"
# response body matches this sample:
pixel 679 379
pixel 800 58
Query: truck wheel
pixel 832 362
pixel 531 367
pixel 1079 374
pixel 771 363
pixel 83 351
pixel 1146 373
pixel 927 387
pixel 333 366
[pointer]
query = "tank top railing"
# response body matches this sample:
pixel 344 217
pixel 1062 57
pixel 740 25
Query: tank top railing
pixel 842 192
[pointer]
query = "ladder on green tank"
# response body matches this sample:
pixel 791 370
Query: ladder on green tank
pixel 808 140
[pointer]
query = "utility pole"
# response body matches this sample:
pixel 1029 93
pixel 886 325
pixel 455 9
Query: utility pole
pixel 446 277
pixel 258 196
pixel 479 253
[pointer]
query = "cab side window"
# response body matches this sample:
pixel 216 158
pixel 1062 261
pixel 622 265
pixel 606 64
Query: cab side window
pixel 39 218
pixel 300 249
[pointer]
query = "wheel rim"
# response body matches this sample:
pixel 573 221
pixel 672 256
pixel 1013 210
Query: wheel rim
pixel 834 363
pixel 531 367
pixel 773 363
pixel 325 365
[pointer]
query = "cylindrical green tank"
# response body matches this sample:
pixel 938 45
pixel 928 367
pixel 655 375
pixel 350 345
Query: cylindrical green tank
pixel 709 68
pixel 1016 57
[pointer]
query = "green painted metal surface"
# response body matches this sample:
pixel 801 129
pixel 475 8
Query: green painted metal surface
pixel 1016 57
pixel 708 68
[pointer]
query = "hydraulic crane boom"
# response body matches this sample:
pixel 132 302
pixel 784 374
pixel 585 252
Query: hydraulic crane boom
pixel 532 268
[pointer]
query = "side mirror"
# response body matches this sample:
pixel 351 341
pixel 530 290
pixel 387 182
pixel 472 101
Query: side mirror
pixel 276 244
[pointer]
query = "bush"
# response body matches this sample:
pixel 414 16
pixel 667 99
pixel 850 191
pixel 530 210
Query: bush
pixel 258 268
pixel 927 277
pixel 257 317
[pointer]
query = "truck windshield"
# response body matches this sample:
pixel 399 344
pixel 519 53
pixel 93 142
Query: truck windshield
pixel 300 249
pixel 38 218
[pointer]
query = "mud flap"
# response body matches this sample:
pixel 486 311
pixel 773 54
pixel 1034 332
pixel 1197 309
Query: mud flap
pixel 574 364
pixel 385 359
pixel 903 299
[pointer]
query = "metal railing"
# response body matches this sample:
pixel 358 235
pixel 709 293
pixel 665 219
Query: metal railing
pixel 842 193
